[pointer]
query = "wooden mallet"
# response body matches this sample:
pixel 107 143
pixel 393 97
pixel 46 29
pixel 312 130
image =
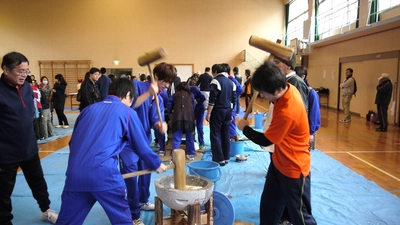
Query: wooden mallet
pixel 147 59
pixel 275 49
pixel 179 167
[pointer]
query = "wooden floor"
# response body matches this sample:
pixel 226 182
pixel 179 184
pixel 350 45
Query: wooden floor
pixel 357 145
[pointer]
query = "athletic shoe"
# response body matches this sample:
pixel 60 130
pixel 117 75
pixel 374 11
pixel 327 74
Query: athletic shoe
pixel 161 153
pixel 138 222
pixel 345 121
pixel 190 157
pixel 50 216
pixel 147 206
pixel 222 163
pixel 58 126
pixel 66 126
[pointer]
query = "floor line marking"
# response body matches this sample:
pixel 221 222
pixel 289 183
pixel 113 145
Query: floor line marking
pixel 260 106
pixel 377 168
pixel 332 152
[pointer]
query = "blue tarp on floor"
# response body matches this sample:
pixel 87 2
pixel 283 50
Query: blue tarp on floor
pixel 339 195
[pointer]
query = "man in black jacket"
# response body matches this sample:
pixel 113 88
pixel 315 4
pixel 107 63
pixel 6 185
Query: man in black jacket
pixel 90 92
pixel 382 100
pixel 18 145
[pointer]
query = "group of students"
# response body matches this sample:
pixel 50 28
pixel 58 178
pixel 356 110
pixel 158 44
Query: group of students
pixel 187 108
pixel 113 136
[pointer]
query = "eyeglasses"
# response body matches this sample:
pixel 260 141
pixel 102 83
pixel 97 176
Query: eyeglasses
pixel 24 72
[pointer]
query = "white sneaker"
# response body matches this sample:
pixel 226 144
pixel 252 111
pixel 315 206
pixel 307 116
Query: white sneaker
pixel 49 215
pixel 147 206
pixel 138 222
pixel 190 157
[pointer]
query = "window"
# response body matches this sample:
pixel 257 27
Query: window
pixel 334 14
pixel 387 4
pixel 297 14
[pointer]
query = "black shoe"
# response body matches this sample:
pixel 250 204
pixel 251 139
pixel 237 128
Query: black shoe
pixel 381 130
pixel 222 163
pixel 226 161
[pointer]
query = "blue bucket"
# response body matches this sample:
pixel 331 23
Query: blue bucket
pixel 237 148
pixel 207 169
pixel 258 117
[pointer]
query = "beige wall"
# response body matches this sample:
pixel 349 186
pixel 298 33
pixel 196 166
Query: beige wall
pixel 324 66
pixel 192 32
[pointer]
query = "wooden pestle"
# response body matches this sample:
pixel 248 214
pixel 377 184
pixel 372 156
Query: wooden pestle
pixel 179 167
pixel 255 93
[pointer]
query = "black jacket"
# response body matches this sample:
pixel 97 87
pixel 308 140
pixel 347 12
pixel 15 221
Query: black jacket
pixel 204 81
pixel 17 136
pixel 384 92
pixel 59 96
pixel 90 93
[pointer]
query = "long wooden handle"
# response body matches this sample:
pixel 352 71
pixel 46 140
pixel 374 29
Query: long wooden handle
pixel 155 96
pixel 250 106
pixel 143 172
pixel 273 48
pixel 255 93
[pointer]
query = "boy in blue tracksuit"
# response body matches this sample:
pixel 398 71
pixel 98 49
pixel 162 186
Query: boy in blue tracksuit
pixel 219 114
pixel 144 105
pixel 199 113
pixel 159 137
pixel 232 129
pixel 101 131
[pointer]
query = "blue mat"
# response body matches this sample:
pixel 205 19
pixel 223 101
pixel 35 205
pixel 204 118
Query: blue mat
pixel 339 195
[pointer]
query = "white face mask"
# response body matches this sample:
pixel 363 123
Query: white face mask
pixel 45 82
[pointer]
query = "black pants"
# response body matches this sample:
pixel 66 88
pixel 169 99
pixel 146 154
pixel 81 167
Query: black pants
pixel 62 119
pixel 220 121
pixel 38 125
pixel 280 192
pixel 383 116
pixel 247 100
pixel 34 177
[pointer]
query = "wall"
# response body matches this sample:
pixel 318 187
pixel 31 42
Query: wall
pixel 192 32
pixel 324 66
